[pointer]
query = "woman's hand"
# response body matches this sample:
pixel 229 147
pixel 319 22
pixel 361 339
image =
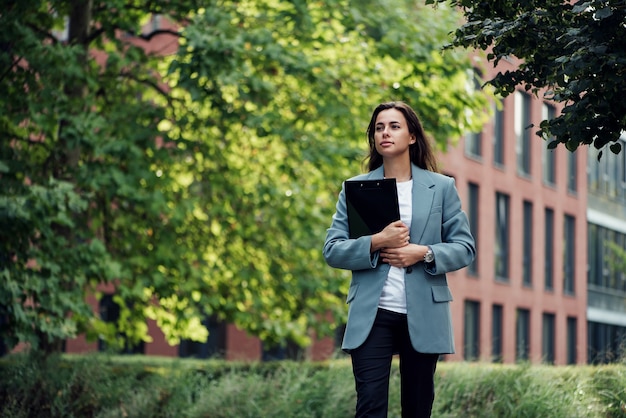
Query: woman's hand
pixel 395 235
pixel 404 256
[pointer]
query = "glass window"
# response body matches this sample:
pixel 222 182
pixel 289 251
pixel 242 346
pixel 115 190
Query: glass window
pixel 605 265
pixel 612 173
pixel 593 167
pixel 502 237
pixel 473 144
pixel 522 333
pixel 496 333
pixel 110 312
pixel 473 222
pixel 522 133
pixel 473 140
pixel 549 250
pixel 215 345
pixel 547 338
pixel 548 160
pixel 605 342
pixel 471 331
pixel 287 351
pixel 569 256
pixel 498 136
pixel 594 254
pixel 572 336
pixel 622 173
pixel 527 244
pixel 572 171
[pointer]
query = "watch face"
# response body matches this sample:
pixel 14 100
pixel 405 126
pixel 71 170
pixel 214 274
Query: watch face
pixel 429 257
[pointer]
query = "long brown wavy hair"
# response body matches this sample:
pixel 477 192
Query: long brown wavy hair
pixel 420 152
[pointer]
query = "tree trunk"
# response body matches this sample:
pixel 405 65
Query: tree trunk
pixel 70 150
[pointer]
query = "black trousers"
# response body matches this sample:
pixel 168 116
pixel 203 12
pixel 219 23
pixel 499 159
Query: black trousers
pixel 371 365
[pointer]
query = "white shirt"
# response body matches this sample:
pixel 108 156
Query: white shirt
pixel 393 296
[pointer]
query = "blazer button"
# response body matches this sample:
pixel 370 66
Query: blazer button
pixel 409 269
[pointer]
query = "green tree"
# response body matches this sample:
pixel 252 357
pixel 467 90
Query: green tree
pixel 199 182
pixel 576 51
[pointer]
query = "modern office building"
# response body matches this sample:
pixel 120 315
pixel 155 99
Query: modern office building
pixel 606 223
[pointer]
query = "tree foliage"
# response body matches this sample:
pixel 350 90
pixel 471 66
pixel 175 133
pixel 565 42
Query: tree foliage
pixel 575 51
pixel 198 182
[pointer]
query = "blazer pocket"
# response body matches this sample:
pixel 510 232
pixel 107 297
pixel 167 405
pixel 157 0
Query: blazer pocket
pixel 352 292
pixel 441 294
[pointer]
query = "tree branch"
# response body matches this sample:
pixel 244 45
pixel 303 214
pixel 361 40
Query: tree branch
pixel 11 67
pixel 154 33
pixel 150 83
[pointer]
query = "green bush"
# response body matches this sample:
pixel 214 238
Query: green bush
pixel 140 386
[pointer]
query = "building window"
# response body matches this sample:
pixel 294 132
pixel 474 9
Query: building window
pixel 498 136
pixel 622 168
pixel 572 172
pixel 569 256
pixel 471 331
pixel 594 251
pixel 617 262
pixel 214 346
pixel 157 22
pixel 527 245
pixel 522 333
pixel 547 338
pixel 604 267
pixel 607 176
pixel 473 222
pixel 473 140
pixel 496 333
pixel 502 237
pixel 572 337
pixel 288 351
pixel 473 144
pixel 606 343
pixel 522 133
pixel 548 155
pixel 548 267
pixel 110 312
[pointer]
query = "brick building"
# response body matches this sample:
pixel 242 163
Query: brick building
pixel 525 297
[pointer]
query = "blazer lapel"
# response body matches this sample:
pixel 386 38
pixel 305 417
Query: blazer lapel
pixel 423 195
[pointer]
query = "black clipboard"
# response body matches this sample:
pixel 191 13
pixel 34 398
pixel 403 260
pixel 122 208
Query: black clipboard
pixel 372 205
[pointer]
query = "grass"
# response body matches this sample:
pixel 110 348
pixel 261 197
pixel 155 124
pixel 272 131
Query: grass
pixel 140 386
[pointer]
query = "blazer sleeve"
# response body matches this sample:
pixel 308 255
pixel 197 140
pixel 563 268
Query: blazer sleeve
pixel 342 252
pixel 457 247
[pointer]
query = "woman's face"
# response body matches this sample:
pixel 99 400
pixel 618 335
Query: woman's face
pixel 391 134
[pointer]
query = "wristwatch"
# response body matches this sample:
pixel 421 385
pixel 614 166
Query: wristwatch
pixel 429 257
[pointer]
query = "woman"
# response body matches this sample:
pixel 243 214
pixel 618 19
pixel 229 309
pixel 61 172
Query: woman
pixel 399 296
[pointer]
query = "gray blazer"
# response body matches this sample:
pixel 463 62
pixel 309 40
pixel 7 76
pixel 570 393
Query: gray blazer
pixel 437 221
